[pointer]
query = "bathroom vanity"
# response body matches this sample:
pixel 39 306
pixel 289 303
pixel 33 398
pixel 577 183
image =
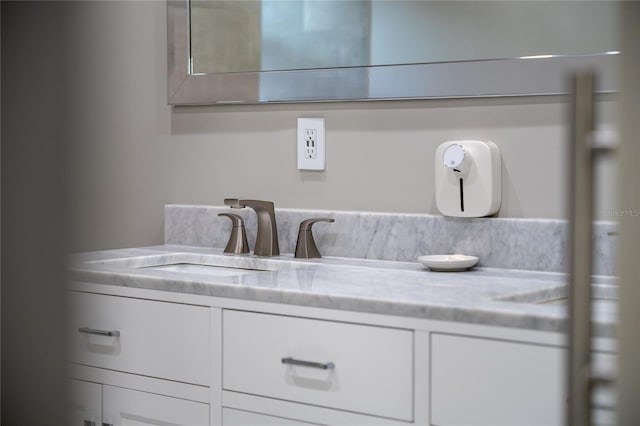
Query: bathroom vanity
pixel 191 336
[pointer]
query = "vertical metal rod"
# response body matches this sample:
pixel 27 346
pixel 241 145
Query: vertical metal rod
pixel 580 234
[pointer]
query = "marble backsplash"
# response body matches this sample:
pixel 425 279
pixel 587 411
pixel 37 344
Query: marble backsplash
pixel 529 244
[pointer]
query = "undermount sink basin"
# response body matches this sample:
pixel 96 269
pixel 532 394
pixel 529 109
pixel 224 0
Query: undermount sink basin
pixel 191 268
pixel 603 296
pixel 200 264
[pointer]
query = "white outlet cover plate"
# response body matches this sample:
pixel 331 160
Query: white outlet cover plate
pixel 318 162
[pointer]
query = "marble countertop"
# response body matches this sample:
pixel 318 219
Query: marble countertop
pixel 490 296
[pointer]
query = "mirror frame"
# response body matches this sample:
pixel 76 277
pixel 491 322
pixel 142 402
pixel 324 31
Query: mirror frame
pixel 527 76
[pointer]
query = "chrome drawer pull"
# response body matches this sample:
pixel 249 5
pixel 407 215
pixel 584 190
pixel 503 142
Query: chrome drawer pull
pixel 100 332
pixel 320 365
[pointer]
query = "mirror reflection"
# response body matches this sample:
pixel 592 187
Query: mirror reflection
pixel 268 35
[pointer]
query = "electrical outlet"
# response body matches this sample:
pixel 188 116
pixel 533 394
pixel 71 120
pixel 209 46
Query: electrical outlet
pixel 311 144
pixel 310 141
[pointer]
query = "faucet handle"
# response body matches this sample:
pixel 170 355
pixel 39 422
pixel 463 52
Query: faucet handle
pixel 238 239
pixel 306 246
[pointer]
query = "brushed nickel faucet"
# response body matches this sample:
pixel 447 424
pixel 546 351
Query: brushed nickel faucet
pixel 267 235
pixel 306 246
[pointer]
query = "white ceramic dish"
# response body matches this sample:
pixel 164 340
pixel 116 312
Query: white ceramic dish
pixel 448 262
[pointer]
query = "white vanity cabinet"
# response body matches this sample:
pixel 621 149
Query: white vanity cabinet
pixel 160 358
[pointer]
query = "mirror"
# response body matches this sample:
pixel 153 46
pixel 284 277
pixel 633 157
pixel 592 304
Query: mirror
pixel 260 51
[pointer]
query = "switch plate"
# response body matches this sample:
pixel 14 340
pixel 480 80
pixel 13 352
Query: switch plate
pixel 311 144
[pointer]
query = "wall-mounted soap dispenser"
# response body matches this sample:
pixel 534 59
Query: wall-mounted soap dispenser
pixel 468 178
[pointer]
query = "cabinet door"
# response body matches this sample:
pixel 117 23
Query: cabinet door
pixel 477 381
pixel 85 403
pixel 125 407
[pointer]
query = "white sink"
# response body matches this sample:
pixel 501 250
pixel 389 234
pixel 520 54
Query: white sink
pixel 604 297
pixel 209 270
pixel 201 264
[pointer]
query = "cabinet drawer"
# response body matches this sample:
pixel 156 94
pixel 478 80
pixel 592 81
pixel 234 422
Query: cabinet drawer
pixel 156 339
pixel 478 381
pixel 231 417
pixel 324 363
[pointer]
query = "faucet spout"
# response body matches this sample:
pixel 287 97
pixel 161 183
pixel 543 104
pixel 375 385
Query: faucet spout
pixel 234 203
pixel 267 234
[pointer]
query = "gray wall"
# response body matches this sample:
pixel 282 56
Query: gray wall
pixel 134 153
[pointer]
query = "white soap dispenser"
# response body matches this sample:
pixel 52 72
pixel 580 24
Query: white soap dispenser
pixel 468 176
